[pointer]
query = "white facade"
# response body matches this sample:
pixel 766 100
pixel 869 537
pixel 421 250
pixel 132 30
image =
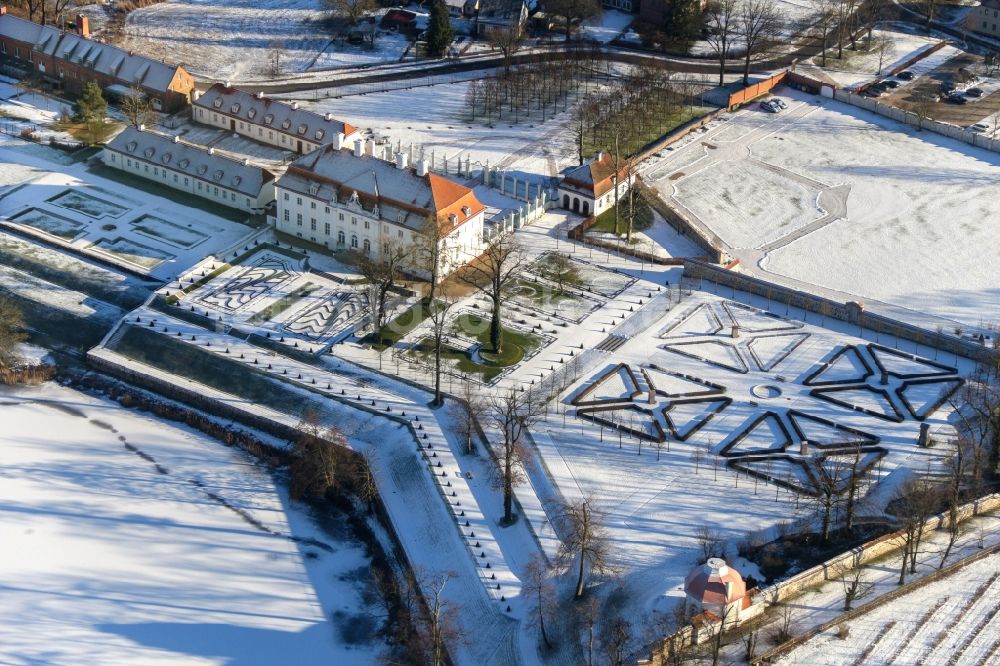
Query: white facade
pixel 350 226
pixel 190 169
pixel 269 121
pixel 580 201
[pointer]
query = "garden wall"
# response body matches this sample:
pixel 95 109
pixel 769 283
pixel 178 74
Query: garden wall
pixel 912 119
pixel 850 312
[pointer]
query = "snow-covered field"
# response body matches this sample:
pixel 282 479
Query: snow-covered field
pixel 906 216
pixel 658 495
pixel 955 620
pixel 436 119
pixel 606 25
pixel 130 540
pixel 230 40
pixel 101 217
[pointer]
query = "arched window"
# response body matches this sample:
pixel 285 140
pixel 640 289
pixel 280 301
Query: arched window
pixel 340 238
pixel 354 242
pixel 367 246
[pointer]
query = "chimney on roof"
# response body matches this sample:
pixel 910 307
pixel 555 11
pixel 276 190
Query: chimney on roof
pixel 422 168
pixel 295 106
pixel 328 116
pixel 227 84
pixel 211 151
pixel 246 161
pixel 359 148
pixel 83 26
pixel 140 127
pixel 370 147
pixel 401 160
pixel 195 95
pixel 729 590
pixel 260 94
pixel 177 138
pixel 338 140
pixel 598 157
pixel 3 9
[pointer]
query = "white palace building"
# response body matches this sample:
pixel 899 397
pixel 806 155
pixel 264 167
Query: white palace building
pixel 344 199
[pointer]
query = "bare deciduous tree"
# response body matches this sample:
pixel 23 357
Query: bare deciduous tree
pixel 508 41
pixel 571 11
pixel 586 541
pixel 914 500
pixel 381 274
pixel 512 414
pixel 439 311
pixel 721 23
pixel 855 582
pixel 315 460
pixel 465 413
pixel 352 10
pixel 495 269
pixel 616 640
pixel 11 331
pixel 537 587
pixel 758 23
pixel 136 108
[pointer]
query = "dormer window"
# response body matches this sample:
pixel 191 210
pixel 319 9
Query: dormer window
pixel 313 188
pixel 131 146
pixel 218 175
pixel 319 135
pixel 202 169
pixel 286 123
pixel 268 119
pixel 302 129
pixel 149 152
pixel 166 158
pixel 217 103
pixel 235 108
pixel 466 211
pixel 251 113
pixel 183 164
pixel 237 180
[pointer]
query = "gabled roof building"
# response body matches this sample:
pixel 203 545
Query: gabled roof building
pixel 347 200
pixel 70 60
pixel 269 121
pixel 589 189
pixel 193 169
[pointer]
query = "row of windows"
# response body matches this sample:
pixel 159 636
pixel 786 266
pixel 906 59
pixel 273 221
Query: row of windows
pixel 247 127
pixel 164 173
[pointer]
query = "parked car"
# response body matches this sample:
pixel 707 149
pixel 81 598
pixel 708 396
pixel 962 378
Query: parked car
pixel 769 106
pixel 906 76
pixel 780 102
pixel 957 98
pixel 889 83
pixel 974 92
pixel 979 128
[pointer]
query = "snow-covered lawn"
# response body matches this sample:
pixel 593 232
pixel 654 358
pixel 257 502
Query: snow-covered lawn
pixel 97 215
pixel 389 47
pixel 436 119
pixel 130 540
pixel 907 215
pixel 657 496
pixel 606 25
pixel 231 40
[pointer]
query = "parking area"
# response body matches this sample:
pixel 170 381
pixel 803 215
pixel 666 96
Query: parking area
pixel 928 85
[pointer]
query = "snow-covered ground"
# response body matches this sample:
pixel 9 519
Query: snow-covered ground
pixel 389 47
pixel 101 217
pixel 955 620
pixel 862 66
pixel 658 497
pixel 605 26
pixel 131 540
pixel 230 40
pixel 436 119
pixel 22 110
pixel 901 217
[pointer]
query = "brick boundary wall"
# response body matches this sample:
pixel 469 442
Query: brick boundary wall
pixel 850 312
